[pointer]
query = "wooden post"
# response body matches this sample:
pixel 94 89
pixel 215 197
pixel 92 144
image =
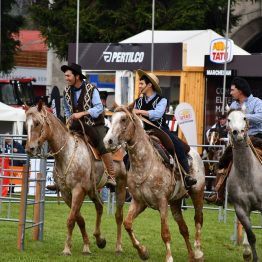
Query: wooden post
pixel 239 233
pixel 37 206
pixel 22 213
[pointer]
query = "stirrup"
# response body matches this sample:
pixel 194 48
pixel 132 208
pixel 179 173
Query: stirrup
pixel 189 181
pixel 110 180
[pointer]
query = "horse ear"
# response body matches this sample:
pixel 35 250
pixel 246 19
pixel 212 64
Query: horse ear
pixel 40 105
pixel 26 107
pixel 243 108
pixel 227 108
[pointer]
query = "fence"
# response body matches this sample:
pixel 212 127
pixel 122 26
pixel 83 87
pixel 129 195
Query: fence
pixel 29 181
pixel 14 189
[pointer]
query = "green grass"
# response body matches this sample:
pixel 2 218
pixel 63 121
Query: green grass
pixel 216 242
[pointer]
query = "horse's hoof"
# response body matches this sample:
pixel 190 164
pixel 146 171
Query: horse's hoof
pixel 143 253
pixel 86 253
pixel 247 253
pixel 199 256
pixel 102 243
pixel 247 257
pixel 66 253
pixel 119 252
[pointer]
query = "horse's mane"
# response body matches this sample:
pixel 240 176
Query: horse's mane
pixel 137 121
pixel 40 115
pixel 232 110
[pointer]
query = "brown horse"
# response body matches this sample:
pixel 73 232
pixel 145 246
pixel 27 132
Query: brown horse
pixel 214 153
pixel 154 184
pixel 76 173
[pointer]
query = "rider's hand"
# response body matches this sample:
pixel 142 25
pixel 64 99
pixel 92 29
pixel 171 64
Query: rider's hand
pixel 78 115
pixel 137 111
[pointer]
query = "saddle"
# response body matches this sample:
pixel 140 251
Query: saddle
pixel 118 155
pixel 164 145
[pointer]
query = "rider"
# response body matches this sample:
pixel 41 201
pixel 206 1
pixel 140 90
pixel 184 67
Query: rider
pixel 241 93
pixel 151 105
pixel 82 103
pixel 220 127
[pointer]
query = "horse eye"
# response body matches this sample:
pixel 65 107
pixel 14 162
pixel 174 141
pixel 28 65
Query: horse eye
pixel 228 120
pixel 245 118
pixel 37 123
pixel 123 120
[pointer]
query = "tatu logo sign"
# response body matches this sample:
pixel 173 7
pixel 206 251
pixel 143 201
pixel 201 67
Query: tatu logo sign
pixel 218 52
pixel 185 115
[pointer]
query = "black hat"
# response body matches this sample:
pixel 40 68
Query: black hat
pixel 73 67
pixel 222 116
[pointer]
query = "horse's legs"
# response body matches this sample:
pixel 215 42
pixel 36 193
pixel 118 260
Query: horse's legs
pixel 81 223
pixel 177 214
pixel 94 196
pixel 134 210
pixel 198 202
pixel 120 201
pixel 78 196
pixel 245 221
pixel 165 233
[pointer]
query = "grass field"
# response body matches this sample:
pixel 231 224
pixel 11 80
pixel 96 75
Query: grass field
pixel 216 242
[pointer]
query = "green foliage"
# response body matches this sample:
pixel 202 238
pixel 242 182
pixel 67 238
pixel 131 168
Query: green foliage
pixel 10 25
pixel 113 21
pixel 216 242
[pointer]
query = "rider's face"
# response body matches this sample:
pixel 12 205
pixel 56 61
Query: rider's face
pixel 142 86
pixel 70 78
pixel 235 93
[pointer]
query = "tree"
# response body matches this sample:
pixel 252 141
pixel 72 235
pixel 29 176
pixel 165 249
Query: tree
pixel 9 45
pixel 113 21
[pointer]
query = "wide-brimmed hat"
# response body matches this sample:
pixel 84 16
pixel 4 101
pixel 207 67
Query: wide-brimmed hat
pixel 73 67
pixel 153 79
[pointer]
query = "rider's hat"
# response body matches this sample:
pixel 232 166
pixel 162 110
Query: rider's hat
pixel 152 78
pixel 222 116
pixel 73 67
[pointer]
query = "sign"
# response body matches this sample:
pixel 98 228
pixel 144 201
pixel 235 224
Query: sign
pixel 121 56
pixel 219 72
pixel 40 74
pixel 218 53
pixel 185 116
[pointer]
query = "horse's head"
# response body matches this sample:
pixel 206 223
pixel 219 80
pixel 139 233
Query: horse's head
pixel 213 137
pixel 122 128
pixel 237 125
pixel 36 125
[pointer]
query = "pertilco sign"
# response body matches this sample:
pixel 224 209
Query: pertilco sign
pixel 218 53
pixel 124 57
pixel 120 56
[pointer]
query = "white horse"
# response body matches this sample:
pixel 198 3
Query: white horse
pixel 245 179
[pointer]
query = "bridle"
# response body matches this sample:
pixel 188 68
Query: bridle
pixel 45 121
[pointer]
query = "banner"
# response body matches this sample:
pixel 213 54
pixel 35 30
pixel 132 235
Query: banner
pixel 185 116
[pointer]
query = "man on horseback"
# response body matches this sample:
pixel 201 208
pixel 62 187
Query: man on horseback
pixel 151 105
pixel 84 109
pixel 241 93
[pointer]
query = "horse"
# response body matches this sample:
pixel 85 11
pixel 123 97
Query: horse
pixel 76 174
pixel 245 178
pixel 214 153
pixel 154 184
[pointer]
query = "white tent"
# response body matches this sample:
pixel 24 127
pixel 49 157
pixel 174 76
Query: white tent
pixel 16 115
pixel 196 43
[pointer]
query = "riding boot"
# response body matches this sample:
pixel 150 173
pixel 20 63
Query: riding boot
pixel 189 181
pixel 52 187
pixel 109 166
pixel 219 196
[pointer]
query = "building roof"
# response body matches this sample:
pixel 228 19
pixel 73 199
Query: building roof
pixel 31 40
pixel 197 42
